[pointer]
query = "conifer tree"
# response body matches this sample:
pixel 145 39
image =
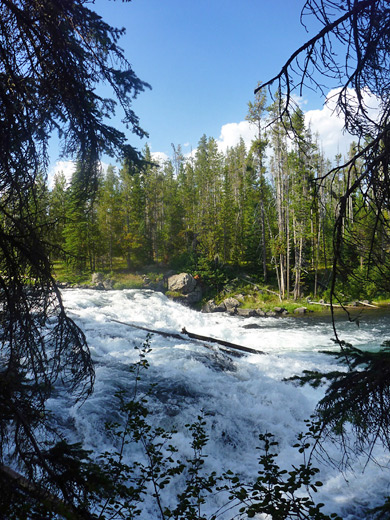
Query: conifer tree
pixel 255 115
pixel 135 242
pixel 173 234
pixel 57 214
pixel 281 181
pixel 108 216
pixel 208 175
pixel 82 234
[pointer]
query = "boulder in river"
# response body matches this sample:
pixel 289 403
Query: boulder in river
pixel 231 305
pixel 193 297
pixel 251 326
pixel 183 283
pixel 97 278
pixel 185 288
pixel 246 313
pixel 211 306
pixel 108 284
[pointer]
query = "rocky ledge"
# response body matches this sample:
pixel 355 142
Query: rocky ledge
pixel 184 288
pixel 232 306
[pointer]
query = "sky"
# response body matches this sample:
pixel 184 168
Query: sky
pixel 203 60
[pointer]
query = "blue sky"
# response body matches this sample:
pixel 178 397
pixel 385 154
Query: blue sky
pixel 203 60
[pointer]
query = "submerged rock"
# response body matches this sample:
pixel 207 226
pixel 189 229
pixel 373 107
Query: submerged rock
pixel 251 326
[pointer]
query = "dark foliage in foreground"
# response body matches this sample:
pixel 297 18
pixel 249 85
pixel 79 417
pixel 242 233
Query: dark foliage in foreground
pixel 52 55
pixel 115 486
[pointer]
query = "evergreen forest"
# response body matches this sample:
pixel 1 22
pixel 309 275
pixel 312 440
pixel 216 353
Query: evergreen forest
pixel 269 211
pixel 297 222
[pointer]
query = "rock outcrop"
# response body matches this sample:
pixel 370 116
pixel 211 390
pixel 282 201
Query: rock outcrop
pixel 300 310
pixel 231 305
pixel 184 283
pixel 97 278
pixel 185 288
pixel 211 306
pixel 101 283
pixel 246 313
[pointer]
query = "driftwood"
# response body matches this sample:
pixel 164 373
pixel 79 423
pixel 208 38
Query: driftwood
pixel 192 336
pixel 368 305
pixel 343 306
pixel 326 304
pixel 152 331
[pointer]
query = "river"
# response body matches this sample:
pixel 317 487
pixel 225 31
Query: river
pixel 244 396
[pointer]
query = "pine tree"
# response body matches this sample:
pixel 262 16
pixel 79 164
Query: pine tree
pixel 301 196
pixel 82 236
pixel 135 242
pixel 255 115
pixel 173 231
pixel 281 241
pixel 57 214
pixel 108 216
pixel 208 175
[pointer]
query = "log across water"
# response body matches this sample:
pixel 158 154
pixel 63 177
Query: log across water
pixel 192 336
pixel 221 342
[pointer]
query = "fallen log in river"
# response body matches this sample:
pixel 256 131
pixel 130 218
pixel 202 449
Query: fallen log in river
pixel 221 342
pixel 192 337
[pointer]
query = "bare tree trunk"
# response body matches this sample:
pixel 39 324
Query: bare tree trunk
pixel 263 241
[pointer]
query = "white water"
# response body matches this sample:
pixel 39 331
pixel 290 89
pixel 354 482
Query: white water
pixel 245 396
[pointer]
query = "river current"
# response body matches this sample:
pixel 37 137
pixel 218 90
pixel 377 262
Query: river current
pixel 244 396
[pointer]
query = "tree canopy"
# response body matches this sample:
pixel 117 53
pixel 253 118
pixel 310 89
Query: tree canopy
pixel 350 54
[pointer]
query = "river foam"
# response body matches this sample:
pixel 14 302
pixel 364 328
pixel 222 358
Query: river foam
pixel 244 396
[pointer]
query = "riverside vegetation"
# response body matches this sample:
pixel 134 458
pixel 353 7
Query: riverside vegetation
pixel 269 211
pixel 277 211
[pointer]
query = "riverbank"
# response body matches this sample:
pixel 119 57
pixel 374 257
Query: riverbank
pixel 245 297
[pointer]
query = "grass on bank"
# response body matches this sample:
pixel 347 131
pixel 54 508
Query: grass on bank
pixel 260 299
pixel 122 277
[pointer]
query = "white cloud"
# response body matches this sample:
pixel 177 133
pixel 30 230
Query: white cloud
pixel 329 123
pixel 299 100
pixel 68 168
pixel 329 127
pixel 325 122
pixel 160 157
pixel 231 133
pixel 230 136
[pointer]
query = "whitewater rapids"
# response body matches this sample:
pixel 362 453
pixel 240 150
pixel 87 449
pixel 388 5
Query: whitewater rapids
pixel 244 396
